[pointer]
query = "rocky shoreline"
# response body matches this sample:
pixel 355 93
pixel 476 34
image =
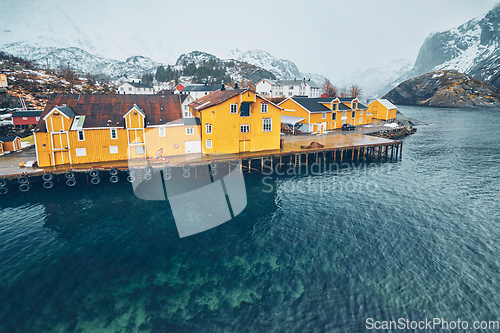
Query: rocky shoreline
pixel 395 133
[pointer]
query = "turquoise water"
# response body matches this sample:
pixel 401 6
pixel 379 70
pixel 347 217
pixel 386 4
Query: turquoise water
pixel 415 238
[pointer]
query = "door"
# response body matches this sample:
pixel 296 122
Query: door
pixel 192 147
pixel 61 157
pixel 244 146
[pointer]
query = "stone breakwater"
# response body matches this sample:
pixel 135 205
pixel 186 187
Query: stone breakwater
pixel 395 133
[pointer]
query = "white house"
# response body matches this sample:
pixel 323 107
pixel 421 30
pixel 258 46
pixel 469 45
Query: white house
pixel 3 81
pixel 287 88
pixel 133 88
pixel 199 90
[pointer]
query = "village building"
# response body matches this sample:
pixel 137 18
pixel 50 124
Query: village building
pixel 10 143
pixel 199 90
pixel 287 88
pixel 79 129
pixel 237 121
pixel 318 115
pixel 26 118
pixel 382 109
pixel 135 88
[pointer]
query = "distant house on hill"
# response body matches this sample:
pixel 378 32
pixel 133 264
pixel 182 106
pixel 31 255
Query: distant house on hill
pixel 134 88
pixel 199 90
pixel 287 88
pixel 26 118
pixel 382 109
pixel 3 81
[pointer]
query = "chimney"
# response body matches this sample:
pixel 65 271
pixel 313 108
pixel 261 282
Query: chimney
pixel 236 85
pixel 223 87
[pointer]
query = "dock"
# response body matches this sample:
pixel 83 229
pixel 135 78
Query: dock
pixel 335 148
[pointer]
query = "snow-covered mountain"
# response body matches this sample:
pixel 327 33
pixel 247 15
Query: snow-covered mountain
pixel 81 60
pixel 472 48
pixel 283 69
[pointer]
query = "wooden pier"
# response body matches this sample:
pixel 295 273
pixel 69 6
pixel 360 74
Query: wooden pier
pixel 335 149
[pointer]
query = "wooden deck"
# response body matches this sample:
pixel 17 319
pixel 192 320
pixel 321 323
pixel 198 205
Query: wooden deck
pixel 337 145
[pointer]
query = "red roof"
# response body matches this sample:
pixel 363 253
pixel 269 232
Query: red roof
pixel 108 110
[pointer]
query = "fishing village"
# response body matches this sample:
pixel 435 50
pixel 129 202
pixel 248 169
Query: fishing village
pixel 89 138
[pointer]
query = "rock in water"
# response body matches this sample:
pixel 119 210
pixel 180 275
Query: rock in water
pixel 447 88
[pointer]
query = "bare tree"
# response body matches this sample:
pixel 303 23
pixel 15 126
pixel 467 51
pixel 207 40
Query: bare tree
pixel 329 89
pixel 355 91
pixel 344 92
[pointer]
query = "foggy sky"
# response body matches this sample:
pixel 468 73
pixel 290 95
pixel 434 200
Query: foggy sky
pixel 325 37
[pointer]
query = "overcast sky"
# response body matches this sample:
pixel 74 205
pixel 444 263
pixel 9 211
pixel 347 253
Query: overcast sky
pixel 325 37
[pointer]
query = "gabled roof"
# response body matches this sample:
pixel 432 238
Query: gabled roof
pixel 311 84
pixel 386 103
pixel 139 85
pixel 343 107
pixel 215 98
pixel 103 111
pixel 313 104
pixel 8 138
pixel 347 99
pixel 66 110
pixel 362 107
pixel 290 82
pixel 26 114
pixel 201 87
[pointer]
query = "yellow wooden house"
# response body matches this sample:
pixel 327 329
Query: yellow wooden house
pixel 10 143
pixel 76 129
pixel 382 109
pixel 325 114
pixel 237 121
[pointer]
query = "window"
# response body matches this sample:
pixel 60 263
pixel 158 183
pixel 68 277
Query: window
pixel 139 150
pixel 335 107
pixel 208 128
pixel 130 89
pixel 37 118
pixel 81 152
pixel 161 132
pixel 81 136
pixel 233 108
pixel 113 149
pixel 360 120
pixel 121 89
pixel 354 105
pixel 114 135
pixel 189 130
pixel 187 114
pixel 263 108
pixel 25 118
pixel 360 112
pixel 267 124
pixel 291 87
pixel 209 143
pixel 245 110
pixel 290 93
pixel 323 115
pixel 245 128
pixel 334 116
pixel 353 114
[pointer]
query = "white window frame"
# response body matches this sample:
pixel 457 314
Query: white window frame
pixel 263 108
pixel 360 120
pixel 353 115
pixel 334 116
pixel 323 115
pixel 25 118
pixel 208 143
pixel 37 118
pixel 161 132
pixel 233 108
pixel 190 130
pixel 361 112
pixel 208 128
pixel 111 131
pixel 267 124
pixel 78 134
pixel 113 149
pixel 244 128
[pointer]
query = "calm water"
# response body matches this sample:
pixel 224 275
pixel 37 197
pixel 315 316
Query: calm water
pixel 414 239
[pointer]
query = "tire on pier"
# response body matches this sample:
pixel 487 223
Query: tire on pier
pixel 25 187
pixel 71 182
pixel 3 182
pixel 114 179
pixel 4 190
pixel 94 173
pixel 69 175
pixel 23 180
pixel 95 180
pixel 47 176
pixel 48 184
pixel 113 171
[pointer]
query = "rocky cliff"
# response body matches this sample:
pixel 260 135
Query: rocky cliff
pixel 447 88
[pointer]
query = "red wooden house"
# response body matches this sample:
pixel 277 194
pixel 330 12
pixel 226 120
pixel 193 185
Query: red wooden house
pixel 26 118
